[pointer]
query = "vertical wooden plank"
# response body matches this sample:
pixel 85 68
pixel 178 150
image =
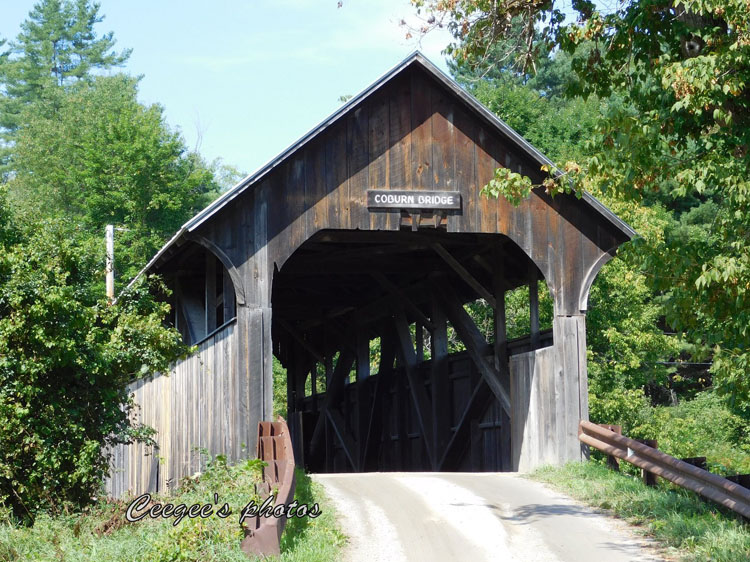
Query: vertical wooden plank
pixel 560 386
pixel 465 132
pixel 583 382
pixel 204 385
pixel 337 178
pixel 166 444
pixel 378 129
pixel 443 147
pixel 421 132
pixel 399 137
pixel 534 305
pixel 214 399
pixel 357 150
pixel 192 413
pixel 210 292
pixel 171 476
pixel 486 164
pixel 155 422
pixel 294 201
pixel 518 409
pixel 572 382
pixel 207 389
pixel 223 387
pixel 182 398
pixel 315 187
pixel 542 247
pixel 548 400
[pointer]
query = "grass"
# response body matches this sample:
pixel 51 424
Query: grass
pixel 689 528
pixel 102 534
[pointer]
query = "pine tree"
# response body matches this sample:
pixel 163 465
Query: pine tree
pixel 57 46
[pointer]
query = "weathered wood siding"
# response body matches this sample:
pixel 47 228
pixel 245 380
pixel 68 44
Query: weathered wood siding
pixel 412 134
pixel 201 404
pixel 549 395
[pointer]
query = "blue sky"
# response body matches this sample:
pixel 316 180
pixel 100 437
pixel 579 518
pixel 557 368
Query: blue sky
pixel 244 79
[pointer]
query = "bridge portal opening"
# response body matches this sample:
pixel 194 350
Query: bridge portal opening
pixel 397 347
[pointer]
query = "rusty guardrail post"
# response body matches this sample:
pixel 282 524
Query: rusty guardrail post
pixel 612 460
pixel 263 532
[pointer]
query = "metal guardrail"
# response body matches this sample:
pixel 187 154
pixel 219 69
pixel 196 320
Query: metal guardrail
pixel 710 486
pixel 263 533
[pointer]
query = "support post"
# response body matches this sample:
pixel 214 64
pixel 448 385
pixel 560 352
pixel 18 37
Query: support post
pixel 362 344
pixel 210 293
pixel 534 305
pixel 439 382
pixel 109 236
pixel 501 360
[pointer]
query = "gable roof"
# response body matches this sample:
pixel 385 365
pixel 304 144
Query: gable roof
pixel 416 58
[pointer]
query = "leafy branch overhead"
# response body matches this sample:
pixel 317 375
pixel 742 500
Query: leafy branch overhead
pixel 671 80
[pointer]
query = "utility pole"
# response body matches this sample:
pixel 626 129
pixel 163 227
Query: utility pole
pixel 109 234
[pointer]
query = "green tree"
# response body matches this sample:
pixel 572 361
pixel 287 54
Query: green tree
pixel 627 349
pixel 65 359
pixel 93 153
pixel 57 46
pixel 678 131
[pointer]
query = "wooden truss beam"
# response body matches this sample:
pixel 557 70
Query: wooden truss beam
pixel 382 385
pixel 300 339
pixel 498 381
pixel 339 428
pixel 464 274
pixel 480 400
pixel 402 298
pixel 334 388
pixel 417 391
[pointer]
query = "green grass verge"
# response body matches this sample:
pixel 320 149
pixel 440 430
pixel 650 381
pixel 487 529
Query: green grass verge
pixel 689 528
pixel 102 534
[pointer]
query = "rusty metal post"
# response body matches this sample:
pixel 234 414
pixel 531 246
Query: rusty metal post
pixel 612 462
pixel 649 479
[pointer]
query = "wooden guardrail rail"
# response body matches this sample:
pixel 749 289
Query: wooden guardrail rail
pixel 710 486
pixel 263 533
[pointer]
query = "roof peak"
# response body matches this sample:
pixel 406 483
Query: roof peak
pixel 415 57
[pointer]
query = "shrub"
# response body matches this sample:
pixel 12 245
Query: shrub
pixel 65 359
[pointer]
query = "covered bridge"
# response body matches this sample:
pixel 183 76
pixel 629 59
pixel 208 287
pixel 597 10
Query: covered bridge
pixel 350 258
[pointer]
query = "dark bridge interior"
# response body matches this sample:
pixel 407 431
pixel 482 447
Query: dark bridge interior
pixel 386 369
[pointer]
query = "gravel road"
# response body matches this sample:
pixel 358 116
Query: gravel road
pixel 436 517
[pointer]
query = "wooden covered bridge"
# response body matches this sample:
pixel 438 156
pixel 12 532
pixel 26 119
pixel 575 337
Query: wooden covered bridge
pixel 351 258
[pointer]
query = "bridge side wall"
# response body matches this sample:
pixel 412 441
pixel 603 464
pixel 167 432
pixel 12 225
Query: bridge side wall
pixel 201 405
pixel 549 394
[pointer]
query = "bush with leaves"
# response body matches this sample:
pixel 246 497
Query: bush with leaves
pixel 65 359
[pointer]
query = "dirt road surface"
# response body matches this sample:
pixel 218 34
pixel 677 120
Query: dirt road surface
pixel 436 517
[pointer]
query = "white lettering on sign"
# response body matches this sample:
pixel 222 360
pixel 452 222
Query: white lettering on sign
pixel 400 199
pixel 392 199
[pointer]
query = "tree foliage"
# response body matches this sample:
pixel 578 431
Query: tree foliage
pixel 675 132
pixel 57 45
pixel 65 359
pixel 79 152
pixel 94 153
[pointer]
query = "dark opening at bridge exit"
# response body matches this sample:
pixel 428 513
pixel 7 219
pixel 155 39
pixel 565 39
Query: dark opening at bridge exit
pixel 386 368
